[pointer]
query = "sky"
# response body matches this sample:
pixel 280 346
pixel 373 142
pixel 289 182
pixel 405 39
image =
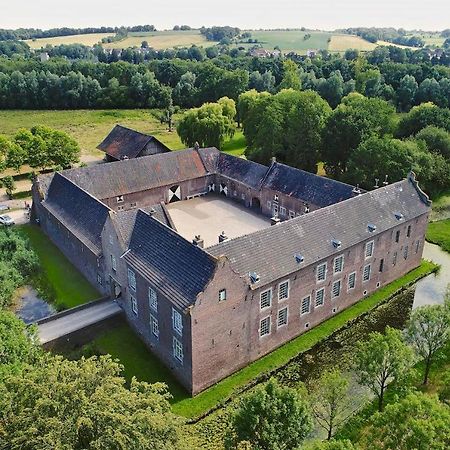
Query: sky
pixel 245 14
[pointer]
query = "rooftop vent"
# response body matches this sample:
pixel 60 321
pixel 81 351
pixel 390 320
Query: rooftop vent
pixel 371 227
pixel 398 215
pixel 198 241
pixel 222 237
pixel 336 243
pixel 275 220
pixel 299 258
pixel 254 277
pixel 356 190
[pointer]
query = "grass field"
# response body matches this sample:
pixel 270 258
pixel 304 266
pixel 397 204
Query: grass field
pixel 161 40
pixel 85 39
pixel 137 360
pixel 59 277
pixel 439 233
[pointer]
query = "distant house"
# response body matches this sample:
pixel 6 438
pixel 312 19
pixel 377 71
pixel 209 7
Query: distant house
pixel 310 53
pixel 259 52
pixel 124 143
pixel 44 57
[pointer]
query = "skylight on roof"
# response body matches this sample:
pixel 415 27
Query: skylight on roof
pixel 336 243
pixel 299 258
pixel 254 277
pixel 371 227
pixel 398 215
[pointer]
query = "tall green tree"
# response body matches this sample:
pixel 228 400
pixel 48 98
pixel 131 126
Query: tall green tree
pixel 418 421
pixel 330 401
pixel 356 119
pixel 84 404
pixel 437 140
pixel 291 76
pixel 428 331
pixel 208 125
pixel 382 359
pixel 406 92
pixel 271 418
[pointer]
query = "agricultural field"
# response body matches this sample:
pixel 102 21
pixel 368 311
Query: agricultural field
pixel 342 42
pixel 431 38
pixel 85 39
pixel 160 40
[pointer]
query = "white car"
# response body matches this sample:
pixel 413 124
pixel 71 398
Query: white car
pixel 6 220
pixel 4 207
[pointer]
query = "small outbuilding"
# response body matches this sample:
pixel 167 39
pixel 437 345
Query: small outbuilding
pixel 125 143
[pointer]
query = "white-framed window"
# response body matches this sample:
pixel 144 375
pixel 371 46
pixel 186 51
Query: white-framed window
pixel 306 305
pixel 152 299
pixel 405 252
pixel 264 326
pixel 320 297
pixel 154 326
pixel 177 321
pixel 283 290
pixel 336 288
pixel 366 272
pixel 275 198
pixel 119 199
pixel 132 280
pixel 275 210
pixel 113 263
pixel 134 305
pixel 282 210
pixel 222 295
pixel 177 349
pixel 351 283
pixel 338 265
pixel 291 214
pixel 321 272
pixel 369 249
pixel 266 299
pixel 282 318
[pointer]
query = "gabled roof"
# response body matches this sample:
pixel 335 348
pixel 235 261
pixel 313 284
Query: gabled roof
pixel 307 186
pixel 241 170
pixel 270 252
pixel 135 175
pixel 79 211
pixel 176 267
pixel 124 142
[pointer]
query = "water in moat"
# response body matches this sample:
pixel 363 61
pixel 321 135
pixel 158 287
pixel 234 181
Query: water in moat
pixel 30 307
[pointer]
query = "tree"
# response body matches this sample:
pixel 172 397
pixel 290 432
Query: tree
pixel 406 92
pixel 271 418
pixel 291 76
pixel 437 140
pixel 331 89
pixel 329 445
pixel 18 344
pixel 381 359
pixel 330 401
pixel 428 330
pixel 185 92
pixel 418 421
pixel 208 125
pixel 357 118
pixel 84 404
pixel 9 184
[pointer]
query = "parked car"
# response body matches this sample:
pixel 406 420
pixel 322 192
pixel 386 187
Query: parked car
pixel 6 220
pixel 4 207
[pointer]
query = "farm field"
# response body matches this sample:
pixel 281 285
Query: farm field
pixel 342 42
pixel 161 40
pixel 86 39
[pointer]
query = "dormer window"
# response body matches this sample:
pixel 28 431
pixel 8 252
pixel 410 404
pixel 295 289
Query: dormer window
pixel 398 215
pixel 336 243
pixel 275 198
pixel 254 277
pixel 299 258
pixel 371 227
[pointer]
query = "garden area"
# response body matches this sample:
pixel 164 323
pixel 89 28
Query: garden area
pixel 439 233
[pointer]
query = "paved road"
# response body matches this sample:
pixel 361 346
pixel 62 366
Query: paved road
pixel 78 320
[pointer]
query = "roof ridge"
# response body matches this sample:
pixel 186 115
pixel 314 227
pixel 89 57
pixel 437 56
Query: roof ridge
pixel 422 195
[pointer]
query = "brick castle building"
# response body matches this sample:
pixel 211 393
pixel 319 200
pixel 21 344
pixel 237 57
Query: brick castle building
pixel 216 260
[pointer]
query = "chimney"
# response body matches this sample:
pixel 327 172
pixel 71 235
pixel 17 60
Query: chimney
pixel 222 237
pixel 196 146
pixel 198 241
pixel 152 212
pixel 356 190
pixel 273 159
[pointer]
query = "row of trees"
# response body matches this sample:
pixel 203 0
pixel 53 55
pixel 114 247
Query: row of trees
pixel 359 141
pixel 40 148
pixel 274 417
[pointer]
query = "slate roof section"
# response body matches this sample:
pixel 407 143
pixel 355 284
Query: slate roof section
pixel 173 265
pixel 210 157
pixel 239 169
pixel 124 142
pixel 135 175
pixel 311 188
pixel 271 252
pixel 81 213
pixel 124 221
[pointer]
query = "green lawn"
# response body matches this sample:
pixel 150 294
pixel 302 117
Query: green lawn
pixel 122 343
pixel 59 279
pixel 236 145
pixel 439 233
